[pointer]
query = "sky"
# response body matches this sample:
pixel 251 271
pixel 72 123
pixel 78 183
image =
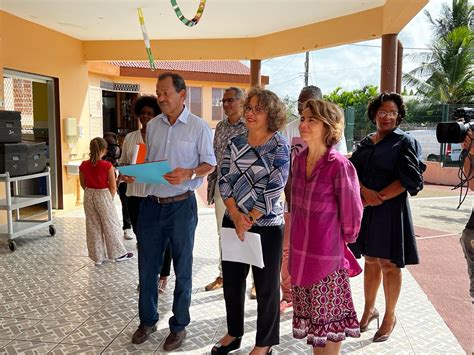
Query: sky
pixel 350 66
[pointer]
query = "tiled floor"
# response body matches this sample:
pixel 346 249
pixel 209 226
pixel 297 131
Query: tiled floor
pixel 54 299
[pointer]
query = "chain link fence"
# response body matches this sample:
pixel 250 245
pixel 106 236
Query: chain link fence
pixel 18 95
pixel 420 117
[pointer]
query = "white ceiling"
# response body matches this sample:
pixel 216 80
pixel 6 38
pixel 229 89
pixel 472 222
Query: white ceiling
pixel 118 19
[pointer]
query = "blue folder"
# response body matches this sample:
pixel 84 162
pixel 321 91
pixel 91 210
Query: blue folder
pixel 149 173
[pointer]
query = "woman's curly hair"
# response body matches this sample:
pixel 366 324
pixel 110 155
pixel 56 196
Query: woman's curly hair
pixel 146 101
pixel 272 105
pixel 375 104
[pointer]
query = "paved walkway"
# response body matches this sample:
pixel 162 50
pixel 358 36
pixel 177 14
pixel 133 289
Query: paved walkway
pixel 53 299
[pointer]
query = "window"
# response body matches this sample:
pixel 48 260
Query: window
pixel 19 97
pixel 217 110
pixel 194 100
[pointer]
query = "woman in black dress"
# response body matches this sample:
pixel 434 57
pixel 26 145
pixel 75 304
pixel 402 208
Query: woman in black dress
pixel 389 166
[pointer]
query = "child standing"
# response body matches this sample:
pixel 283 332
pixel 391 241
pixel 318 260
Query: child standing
pixel 97 178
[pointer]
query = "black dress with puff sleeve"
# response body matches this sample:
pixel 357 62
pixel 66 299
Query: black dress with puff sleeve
pixel 387 230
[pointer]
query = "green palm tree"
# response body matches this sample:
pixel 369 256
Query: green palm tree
pixel 445 74
pixel 458 15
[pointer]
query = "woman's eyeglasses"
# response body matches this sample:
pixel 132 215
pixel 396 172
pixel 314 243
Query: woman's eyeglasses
pixel 383 113
pixel 256 109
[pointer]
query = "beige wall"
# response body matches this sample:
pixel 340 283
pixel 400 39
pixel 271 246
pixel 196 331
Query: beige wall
pixel 391 17
pixel 31 48
pixel 437 174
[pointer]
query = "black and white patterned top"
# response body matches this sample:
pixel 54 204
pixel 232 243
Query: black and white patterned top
pixel 256 176
pixel 224 132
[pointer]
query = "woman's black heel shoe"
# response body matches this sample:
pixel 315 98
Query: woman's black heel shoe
pixel 220 349
pixel 375 315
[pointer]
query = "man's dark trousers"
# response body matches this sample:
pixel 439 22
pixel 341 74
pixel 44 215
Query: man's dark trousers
pixel 157 224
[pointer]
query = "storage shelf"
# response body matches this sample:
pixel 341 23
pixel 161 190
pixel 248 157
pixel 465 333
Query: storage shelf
pixel 14 202
pixel 23 227
pixel 3 177
pixel 22 201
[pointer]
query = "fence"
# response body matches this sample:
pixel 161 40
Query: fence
pixel 419 117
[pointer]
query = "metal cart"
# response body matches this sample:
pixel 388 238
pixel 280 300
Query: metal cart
pixel 13 202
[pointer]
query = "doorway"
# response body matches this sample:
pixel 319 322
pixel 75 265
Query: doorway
pixel 36 98
pixel 117 112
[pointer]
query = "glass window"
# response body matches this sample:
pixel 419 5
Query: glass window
pixel 194 100
pixel 217 110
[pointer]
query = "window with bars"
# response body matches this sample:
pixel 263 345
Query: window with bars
pixel 217 110
pixel 194 100
pixel 18 94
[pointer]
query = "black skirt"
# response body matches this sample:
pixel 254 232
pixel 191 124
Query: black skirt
pixel 387 232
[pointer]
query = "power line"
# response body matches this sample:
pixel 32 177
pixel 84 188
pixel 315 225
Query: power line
pixel 379 46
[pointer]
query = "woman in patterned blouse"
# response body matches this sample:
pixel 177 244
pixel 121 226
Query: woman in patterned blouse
pixel 326 212
pixel 253 175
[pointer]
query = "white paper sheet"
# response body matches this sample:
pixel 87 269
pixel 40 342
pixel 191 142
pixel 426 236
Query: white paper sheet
pixel 248 251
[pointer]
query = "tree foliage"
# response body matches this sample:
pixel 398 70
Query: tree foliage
pixel 460 14
pixel 445 74
pixel 352 98
pixel 291 108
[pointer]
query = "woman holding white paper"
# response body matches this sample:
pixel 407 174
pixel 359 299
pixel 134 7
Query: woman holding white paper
pixel 252 178
pixel 145 108
pixel 326 213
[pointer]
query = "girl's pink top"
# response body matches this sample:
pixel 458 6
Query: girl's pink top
pixel 326 212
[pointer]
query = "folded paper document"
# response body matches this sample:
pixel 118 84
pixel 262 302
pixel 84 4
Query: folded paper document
pixel 150 173
pixel 139 154
pixel 248 251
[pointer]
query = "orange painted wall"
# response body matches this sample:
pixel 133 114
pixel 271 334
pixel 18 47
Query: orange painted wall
pixel 31 48
pixel 35 49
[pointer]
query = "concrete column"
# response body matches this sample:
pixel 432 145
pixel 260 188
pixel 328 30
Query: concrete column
pixel 399 87
pixel 2 95
pixel 255 76
pixel 388 70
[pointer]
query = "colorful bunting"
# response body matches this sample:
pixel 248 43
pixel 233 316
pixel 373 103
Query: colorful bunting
pixel 146 39
pixel 183 19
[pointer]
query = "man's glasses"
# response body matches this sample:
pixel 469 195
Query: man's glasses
pixel 256 110
pixel 229 100
pixel 383 113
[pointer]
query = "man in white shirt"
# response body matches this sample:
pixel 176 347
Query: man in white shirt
pixel 169 212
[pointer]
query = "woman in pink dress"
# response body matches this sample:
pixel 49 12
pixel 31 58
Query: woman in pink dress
pixel 326 215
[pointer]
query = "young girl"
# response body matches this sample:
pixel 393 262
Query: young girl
pixel 103 229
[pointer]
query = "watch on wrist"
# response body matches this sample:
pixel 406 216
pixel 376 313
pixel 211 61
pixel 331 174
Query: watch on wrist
pixel 193 176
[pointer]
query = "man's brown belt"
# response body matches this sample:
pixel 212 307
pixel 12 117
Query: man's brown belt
pixel 177 198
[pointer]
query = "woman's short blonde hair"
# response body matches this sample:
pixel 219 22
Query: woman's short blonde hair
pixel 272 105
pixel 331 116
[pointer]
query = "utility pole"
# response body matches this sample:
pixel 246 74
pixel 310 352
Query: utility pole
pixel 306 69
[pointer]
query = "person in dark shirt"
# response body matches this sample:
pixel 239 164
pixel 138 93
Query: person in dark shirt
pixel 389 166
pixel 113 149
pixel 113 155
pixel 467 237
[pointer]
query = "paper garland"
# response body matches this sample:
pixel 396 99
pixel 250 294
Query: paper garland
pixel 146 39
pixel 194 21
pixel 190 23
